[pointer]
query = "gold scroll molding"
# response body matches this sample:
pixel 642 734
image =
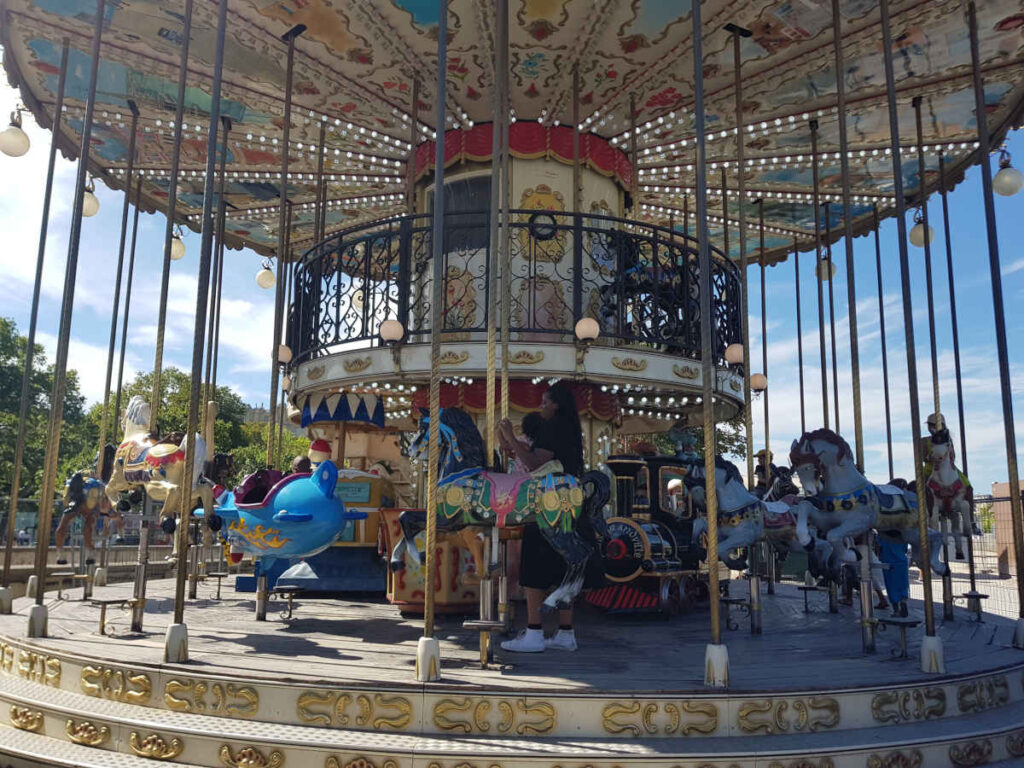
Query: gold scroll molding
pixel 629 364
pixel 734 385
pixel 451 357
pixel 686 371
pixel 357 365
pixel 316 372
pixel 825 762
pixel 526 357
pixel 155 747
pixel 468 715
pixel 897 759
pixel 669 717
pixel 26 719
pixel 117 685
pixel 250 757
pixel 971 753
pixel 29 665
pixel 86 734
pixel 230 699
pixel 908 705
pixel 359 762
pixel 336 709
pixel 814 713
pixel 979 695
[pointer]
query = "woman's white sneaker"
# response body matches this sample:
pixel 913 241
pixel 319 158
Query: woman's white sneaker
pixel 562 640
pixel 528 641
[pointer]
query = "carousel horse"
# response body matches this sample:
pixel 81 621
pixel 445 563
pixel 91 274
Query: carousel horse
pixel 157 466
pixel 950 495
pixel 84 495
pixel 564 508
pixel 845 504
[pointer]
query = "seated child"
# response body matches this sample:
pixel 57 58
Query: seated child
pixel 531 425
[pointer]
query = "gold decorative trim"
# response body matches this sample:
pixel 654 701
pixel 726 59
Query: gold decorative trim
pixel 979 695
pixel 474 715
pixel 250 757
pixel 629 364
pixel 1015 744
pixel 115 684
pixel 526 357
pixel 26 719
pixel 357 365
pixel 908 705
pixel 897 759
pixel 451 357
pixel 971 753
pixel 331 708
pixel 686 371
pixel 29 665
pixel 154 746
pixel 641 720
pixel 359 762
pixel 316 372
pixel 230 699
pixel 735 386
pixel 812 714
pixel 86 734
pixel 825 762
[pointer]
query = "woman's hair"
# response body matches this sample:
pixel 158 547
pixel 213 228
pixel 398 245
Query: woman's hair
pixel 567 417
pixel 532 423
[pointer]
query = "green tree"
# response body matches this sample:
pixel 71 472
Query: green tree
pixel 731 437
pixel 986 517
pixel 253 454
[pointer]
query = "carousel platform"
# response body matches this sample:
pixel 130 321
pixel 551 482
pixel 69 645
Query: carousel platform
pixel 334 687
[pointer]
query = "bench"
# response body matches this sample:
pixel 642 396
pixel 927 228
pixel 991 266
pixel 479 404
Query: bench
pixel 903 624
pixel 102 603
pixel 290 593
pixel 60 577
pixel 831 590
pixel 219 576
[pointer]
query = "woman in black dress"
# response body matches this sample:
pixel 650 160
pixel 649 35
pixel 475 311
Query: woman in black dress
pixel 541 568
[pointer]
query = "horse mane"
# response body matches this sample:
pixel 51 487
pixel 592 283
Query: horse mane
pixel 471 444
pixel 732 473
pixel 137 413
pixel 105 465
pixel 827 435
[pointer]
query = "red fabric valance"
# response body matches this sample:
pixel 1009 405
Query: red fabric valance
pixel 523 396
pixel 528 140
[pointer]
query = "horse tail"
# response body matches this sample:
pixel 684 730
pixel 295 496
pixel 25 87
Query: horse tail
pixel 597 491
pixel 74 491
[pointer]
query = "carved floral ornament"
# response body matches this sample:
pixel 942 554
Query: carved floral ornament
pixel 86 734
pixel 897 759
pixel 250 757
pixel 356 364
pixel 360 762
pixel 526 357
pixel 155 747
pixel 1015 744
pixel 26 719
pixel 451 357
pixel 125 686
pixel 971 753
pixel 630 364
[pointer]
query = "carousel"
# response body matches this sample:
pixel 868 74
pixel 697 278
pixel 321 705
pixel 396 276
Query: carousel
pixel 457 205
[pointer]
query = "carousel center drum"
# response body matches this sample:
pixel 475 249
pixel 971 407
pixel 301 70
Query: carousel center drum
pixel 636 548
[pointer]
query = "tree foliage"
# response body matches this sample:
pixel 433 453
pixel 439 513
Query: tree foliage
pixel 730 436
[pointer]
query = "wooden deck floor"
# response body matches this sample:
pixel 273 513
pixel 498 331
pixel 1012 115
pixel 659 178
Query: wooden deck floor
pixel 365 641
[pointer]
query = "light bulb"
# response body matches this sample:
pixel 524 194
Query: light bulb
pixel 265 278
pixel 90 205
pixel 1008 181
pixel 177 248
pixel 758 382
pixel 587 329
pixel 734 354
pixel 391 331
pixel 14 141
pixel 826 269
pixel 918 237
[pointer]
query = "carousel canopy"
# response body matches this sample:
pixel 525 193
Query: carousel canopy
pixel 356 63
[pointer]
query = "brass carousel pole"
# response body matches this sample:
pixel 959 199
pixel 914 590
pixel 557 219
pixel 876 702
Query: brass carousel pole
pixel 283 223
pixel 127 308
pixel 931 645
pixel 128 174
pixel 1016 515
pixel 505 255
pixel 881 323
pixel 799 338
pixel 428 652
pixel 172 203
pixel 221 245
pixel 830 271
pixel 974 597
pixel 851 285
pixel 26 377
pixel 37 620
pixel 772 560
pixel 947 579
pixel 176 641
pixel 716 654
pixel 218 264
pixel 819 271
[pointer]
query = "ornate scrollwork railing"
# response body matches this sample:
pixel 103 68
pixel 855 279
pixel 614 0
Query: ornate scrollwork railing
pixel 641 282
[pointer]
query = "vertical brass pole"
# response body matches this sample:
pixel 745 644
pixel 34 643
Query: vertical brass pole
pixel 881 323
pixel 221 245
pixel 716 659
pixel 194 423
pixel 931 648
pixel 764 337
pixel 410 192
pixel 851 283
pixel 128 174
pixel 26 377
pixel 725 216
pixel 832 312
pixel 799 339
pixel 127 308
pixel 505 255
pixel 37 619
pixel 819 268
pixel 320 220
pixel 172 204
pixel 283 223
pixel 737 34
pixel 1016 515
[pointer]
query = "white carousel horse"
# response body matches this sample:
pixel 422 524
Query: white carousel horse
pixel 158 467
pixel 846 504
pixel 950 490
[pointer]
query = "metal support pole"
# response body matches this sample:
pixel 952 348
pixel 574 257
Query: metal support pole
pixel 851 283
pixel 881 323
pixel 505 256
pixel 931 646
pixel 633 139
pixel 172 203
pixel 819 271
pixel 320 221
pixel 129 171
pixel 176 647
pixel 19 446
pixel 38 616
pixel 127 307
pixel 139 588
pixel 577 191
pixel 832 314
pixel 1016 514
pixel 428 651
pixel 799 339
pixel 283 222
pixel 716 655
pixel 764 336
pixel 217 262
pixel 410 192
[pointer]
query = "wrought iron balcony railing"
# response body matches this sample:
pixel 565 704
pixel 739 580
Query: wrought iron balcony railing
pixel 641 282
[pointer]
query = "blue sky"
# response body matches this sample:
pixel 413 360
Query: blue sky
pixel 248 312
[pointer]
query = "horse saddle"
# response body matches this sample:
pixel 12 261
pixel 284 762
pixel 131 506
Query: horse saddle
pixel 893 500
pixel 777 515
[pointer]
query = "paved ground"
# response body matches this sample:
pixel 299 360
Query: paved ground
pixel 365 640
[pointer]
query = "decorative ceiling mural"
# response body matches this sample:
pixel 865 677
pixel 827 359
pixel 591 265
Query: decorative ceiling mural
pixel 356 63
